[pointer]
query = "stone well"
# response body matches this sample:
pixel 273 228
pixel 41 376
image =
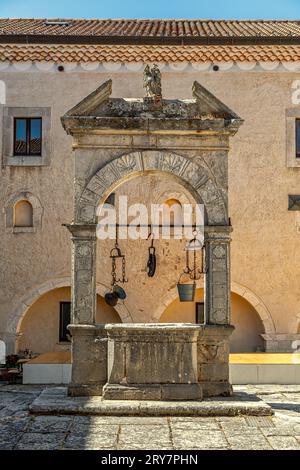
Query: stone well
pixel 116 139
pixel 152 362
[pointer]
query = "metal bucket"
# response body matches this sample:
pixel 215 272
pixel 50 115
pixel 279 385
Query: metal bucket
pixel 186 292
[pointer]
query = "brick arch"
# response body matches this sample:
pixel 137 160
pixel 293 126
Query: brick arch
pixel 26 302
pixel 236 288
pixel 194 176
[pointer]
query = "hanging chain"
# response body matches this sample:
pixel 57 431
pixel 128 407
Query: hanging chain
pixel 113 271
pixel 116 254
pixel 124 279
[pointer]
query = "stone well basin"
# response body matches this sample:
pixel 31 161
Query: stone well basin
pixel 152 361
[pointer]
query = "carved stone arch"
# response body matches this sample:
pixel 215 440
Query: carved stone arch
pixel 236 288
pixel 27 300
pixel 193 176
pixel 10 204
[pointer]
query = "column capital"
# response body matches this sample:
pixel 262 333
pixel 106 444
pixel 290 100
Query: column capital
pixel 218 233
pixel 82 231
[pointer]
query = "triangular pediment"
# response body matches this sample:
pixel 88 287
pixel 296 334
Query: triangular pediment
pixel 99 110
pixel 209 104
pixel 92 102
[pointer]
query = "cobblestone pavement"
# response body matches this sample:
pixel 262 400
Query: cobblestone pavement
pixel 20 430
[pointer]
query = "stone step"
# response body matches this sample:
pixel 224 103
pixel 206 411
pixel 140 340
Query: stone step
pixel 56 401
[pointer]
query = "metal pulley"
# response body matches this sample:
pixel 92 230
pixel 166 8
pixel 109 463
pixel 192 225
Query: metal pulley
pixel 192 247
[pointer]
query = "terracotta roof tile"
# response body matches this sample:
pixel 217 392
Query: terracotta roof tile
pixel 146 53
pixel 149 28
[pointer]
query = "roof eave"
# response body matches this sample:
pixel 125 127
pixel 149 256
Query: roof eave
pixel 148 40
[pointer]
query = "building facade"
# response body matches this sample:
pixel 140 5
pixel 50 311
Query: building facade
pixel 46 67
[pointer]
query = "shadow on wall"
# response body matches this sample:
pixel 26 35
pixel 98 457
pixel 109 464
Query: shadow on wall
pixel 248 325
pixel 40 328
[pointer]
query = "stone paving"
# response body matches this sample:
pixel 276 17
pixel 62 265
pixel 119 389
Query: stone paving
pixel 20 430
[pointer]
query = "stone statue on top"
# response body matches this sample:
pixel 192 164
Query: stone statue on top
pixel 152 82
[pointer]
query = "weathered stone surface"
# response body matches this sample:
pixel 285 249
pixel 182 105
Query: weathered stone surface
pixel 107 432
pixel 241 403
pixel 153 392
pixel 217 303
pixel 49 424
pixel 153 437
pixel 91 442
pixel 284 443
pixel 134 392
pixel 251 442
pixel 139 363
pixel 89 354
pixel 181 392
pixel 199 439
pixel 83 273
pixel 34 441
pixel 9 441
pixel 216 389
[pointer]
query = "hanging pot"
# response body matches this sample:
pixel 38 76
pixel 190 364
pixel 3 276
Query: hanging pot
pixel 119 291
pixel 111 299
pixel 186 291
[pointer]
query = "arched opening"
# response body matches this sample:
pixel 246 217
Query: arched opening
pixel 144 293
pixel 40 330
pixel 23 214
pixel 248 326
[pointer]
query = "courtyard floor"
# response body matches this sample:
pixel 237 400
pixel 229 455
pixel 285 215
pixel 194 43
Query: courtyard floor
pixel 21 430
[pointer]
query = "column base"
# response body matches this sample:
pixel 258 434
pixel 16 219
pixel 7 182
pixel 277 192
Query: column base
pixel 216 389
pixel 89 360
pixel 153 392
pixel 281 342
pixel 83 390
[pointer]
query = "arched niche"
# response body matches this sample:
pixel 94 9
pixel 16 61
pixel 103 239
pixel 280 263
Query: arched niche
pixel 31 211
pixel 23 214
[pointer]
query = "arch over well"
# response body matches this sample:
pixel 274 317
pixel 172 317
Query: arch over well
pixel 196 177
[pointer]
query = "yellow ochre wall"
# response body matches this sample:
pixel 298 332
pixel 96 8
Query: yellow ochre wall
pixel 248 326
pixel 40 326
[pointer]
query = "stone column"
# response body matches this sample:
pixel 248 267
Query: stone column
pixel 213 340
pixel 217 279
pixel 83 273
pixel 89 344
